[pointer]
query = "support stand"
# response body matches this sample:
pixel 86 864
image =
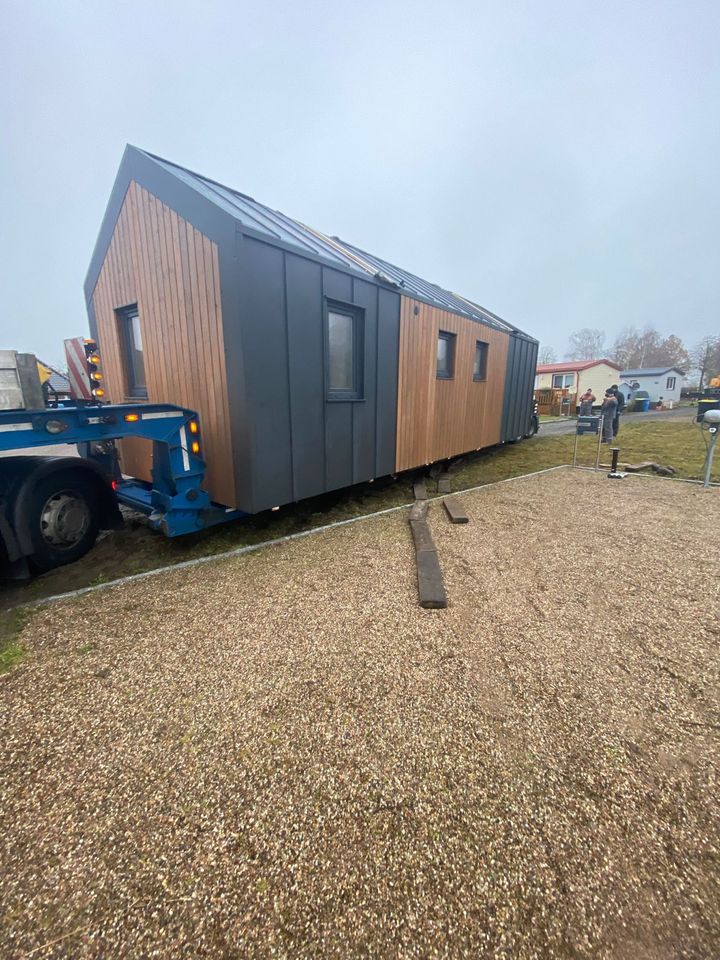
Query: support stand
pixel 588 425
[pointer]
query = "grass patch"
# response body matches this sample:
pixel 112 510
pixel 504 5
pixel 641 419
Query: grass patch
pixel 676 443
pixel 11 625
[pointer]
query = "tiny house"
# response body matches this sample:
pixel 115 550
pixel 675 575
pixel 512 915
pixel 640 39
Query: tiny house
pixel 313 364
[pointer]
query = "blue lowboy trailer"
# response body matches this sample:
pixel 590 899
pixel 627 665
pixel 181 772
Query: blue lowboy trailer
pixel 52 507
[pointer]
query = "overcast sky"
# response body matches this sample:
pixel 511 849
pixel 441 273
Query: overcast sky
pixel 558 161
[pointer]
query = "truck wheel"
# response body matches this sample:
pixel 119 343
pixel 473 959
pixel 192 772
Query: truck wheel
pixel 534 427
pixel 62 519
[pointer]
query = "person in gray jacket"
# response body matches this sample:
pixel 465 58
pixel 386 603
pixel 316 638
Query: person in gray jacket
pixel 608 411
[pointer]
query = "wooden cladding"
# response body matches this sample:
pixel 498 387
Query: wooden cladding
pixel 436 417
pixel 170 270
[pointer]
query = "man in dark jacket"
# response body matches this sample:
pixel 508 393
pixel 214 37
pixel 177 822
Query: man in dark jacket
pixel 620 397
pixel 608 411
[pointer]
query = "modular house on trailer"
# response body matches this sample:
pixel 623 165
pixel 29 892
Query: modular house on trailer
pixel 313 365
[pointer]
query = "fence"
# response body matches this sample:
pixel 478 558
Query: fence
pixel 555 403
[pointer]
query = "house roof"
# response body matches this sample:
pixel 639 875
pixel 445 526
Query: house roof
pixel 652 372
pixel 256 216
pixel 59 383
pixel 573 366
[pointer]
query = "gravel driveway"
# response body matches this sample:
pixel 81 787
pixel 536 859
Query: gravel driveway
pixel 283 755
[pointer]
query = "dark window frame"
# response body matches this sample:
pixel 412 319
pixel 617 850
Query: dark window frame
pixel 357 313
pixel 482 376
pixel 125 316
pixel 451 340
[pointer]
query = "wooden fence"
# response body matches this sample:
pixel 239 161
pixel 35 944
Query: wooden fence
pixel 555 403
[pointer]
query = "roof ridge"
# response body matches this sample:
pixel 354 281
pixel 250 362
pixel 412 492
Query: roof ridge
pixel 255 215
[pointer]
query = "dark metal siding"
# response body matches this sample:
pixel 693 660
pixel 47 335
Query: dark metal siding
pixel 519 382
pixel 301 443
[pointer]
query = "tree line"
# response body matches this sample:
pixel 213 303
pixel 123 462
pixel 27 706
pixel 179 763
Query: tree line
pixel 635 348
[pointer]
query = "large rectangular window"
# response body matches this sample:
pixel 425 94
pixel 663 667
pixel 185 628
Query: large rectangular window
pixel 561 381
pixel 670 384
pixel 134 355
pixel 345 350
pixel 480 364
pixel 445 355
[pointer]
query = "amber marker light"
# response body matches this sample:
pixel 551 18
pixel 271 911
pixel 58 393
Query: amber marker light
pixel 132 417
pixel 195 446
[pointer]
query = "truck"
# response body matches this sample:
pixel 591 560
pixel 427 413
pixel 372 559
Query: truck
pixel 52 506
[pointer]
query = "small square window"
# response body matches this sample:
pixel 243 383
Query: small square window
pixel 134 354
pixel 345 350
pixel 480 364
pixel 445 355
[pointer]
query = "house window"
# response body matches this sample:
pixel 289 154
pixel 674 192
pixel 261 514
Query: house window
pixel 561 381
pixel 345 338
pixel 480 364
pixel 134 355
pixel 445 355
pixel 670 385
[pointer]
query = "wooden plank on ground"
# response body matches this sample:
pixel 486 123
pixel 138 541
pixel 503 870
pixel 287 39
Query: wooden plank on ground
pixel 455 510
pixel 418 511
pixel 430 581
pixel 420 490
pixel 422 536
pixel 444 483
pixel 431 589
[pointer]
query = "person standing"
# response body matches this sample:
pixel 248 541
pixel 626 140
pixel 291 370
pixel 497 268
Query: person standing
pixel 620 397
pixel 608 411
pixel 586 402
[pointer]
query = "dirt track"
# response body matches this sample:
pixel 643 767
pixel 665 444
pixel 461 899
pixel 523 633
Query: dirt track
pixel 283 755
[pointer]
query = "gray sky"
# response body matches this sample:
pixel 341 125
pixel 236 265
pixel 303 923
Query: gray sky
pixel 556 161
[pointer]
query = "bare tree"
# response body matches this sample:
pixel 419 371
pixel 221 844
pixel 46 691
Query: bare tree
pixel 586 344
pixel 646 348
pixel 547 355
pixel 705 359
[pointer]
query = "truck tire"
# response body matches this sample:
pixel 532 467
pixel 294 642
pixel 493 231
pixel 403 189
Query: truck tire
pixel 62 517
pixel 534 427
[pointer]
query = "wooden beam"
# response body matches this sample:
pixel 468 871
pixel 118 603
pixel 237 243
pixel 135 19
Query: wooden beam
pixel 455 510
pixel 444 483
pixel 431 588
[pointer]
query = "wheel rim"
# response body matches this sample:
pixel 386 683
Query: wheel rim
pixel 64 519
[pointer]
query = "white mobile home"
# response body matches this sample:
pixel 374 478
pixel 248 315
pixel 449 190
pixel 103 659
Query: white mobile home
pixel 661 383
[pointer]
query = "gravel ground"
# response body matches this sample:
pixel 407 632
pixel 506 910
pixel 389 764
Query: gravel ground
pixel 284 755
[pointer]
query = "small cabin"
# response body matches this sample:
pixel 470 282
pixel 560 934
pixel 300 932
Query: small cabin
pixel 313 365
pixel 661 383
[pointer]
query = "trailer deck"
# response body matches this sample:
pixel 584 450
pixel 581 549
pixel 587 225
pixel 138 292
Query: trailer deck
pixel 284 753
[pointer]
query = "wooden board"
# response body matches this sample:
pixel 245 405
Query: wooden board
pixel 431 588
pixel 443 483
pixel 437 419
pixel 455 510
pixel 418 511
pixel 420 490
pixel 170 270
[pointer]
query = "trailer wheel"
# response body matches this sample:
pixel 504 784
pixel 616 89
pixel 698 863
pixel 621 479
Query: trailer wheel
pixel 62 519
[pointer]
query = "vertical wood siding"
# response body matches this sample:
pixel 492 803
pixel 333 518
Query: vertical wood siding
pixel 161 262
pixel 443 418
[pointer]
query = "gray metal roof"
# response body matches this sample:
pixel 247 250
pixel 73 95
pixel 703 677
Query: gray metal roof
pixel 256 216
pixel 651 372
